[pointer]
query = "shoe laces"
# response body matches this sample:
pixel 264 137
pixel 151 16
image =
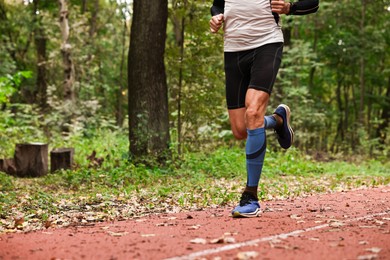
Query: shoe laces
pixel 246 199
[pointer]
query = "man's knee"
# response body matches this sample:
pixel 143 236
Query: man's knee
pixel 254 118
pixel 240 134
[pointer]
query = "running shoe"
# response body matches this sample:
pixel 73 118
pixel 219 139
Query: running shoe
pixel 285 133
pixel 249 207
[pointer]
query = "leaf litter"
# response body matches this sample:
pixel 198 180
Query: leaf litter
pixel 63 207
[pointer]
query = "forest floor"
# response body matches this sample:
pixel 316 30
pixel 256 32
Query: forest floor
pixel 343 225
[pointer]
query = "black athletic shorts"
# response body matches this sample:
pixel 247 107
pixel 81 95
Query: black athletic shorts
pixel 256 68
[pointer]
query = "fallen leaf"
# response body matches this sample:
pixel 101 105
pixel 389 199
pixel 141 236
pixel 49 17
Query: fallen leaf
pixel 223 240
pixel 280 246
pixel 247 255
pixel 219 240
pixel 198 241
pixel 48 223
pixel 336 224
pixel 195 227
pixel 117 234
pixel 374 249
pixel 165 224
pixel 148 235
pixel 367 257
pixel 19 221
pixel 363 243
pixel 368 226
pixel 295 216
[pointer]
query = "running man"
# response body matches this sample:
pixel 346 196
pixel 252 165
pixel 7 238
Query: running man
pixel 253 46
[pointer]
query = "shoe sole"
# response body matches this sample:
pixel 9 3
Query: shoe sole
pixel 288 112
pixel 237 214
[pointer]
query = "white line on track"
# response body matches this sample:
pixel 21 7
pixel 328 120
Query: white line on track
pixel 265 239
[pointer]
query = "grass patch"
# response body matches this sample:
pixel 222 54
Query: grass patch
pixel 118 189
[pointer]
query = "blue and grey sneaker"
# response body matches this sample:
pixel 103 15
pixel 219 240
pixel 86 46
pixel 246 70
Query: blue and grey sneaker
pixel 284 132
pixel 249 207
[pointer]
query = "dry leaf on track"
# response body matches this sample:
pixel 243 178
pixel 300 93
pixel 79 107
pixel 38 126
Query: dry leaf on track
pixel 201 241
pixel 367 257
pixel 195 227
pixel 148 235
pixel 336 224
pixel 223 240
pixel 295 216
pixel 117 234
pixel 374 249
pixel 247 255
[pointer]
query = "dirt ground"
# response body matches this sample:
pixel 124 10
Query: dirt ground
pixel 345 225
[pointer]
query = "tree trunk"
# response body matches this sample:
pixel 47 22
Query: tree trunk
pixel 40 45
pixel 93 20
pixel 179 94
pixel 362 66
pixel 61 158
pixel 178 21
pixel 385 117
pixel 313 69
pixel 148 94
pixel 83 6
pixel 339 138
pixel 66 51
pixel 8 166
pixel 31 160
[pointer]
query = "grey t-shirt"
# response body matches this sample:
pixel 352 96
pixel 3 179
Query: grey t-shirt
pixel 249 24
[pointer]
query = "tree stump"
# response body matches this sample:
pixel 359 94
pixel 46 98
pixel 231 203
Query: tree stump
pixel 61 158
pixel 31 159
pixel 8 166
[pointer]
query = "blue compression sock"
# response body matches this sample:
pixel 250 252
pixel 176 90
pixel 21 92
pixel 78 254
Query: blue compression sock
pixel 269 122
pixel 255 152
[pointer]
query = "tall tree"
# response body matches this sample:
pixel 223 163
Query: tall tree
pixel 148 94
pixel 66 50
pixel 40 40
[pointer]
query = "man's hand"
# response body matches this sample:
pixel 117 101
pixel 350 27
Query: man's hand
pixel 280 6
pixel 216 23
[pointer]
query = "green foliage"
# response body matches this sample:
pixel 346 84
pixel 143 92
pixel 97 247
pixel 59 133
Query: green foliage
pixel 203 111
pixel 10 83
pixel 23 124
pixel 6 183
pixel 320 78
pixel 198 180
